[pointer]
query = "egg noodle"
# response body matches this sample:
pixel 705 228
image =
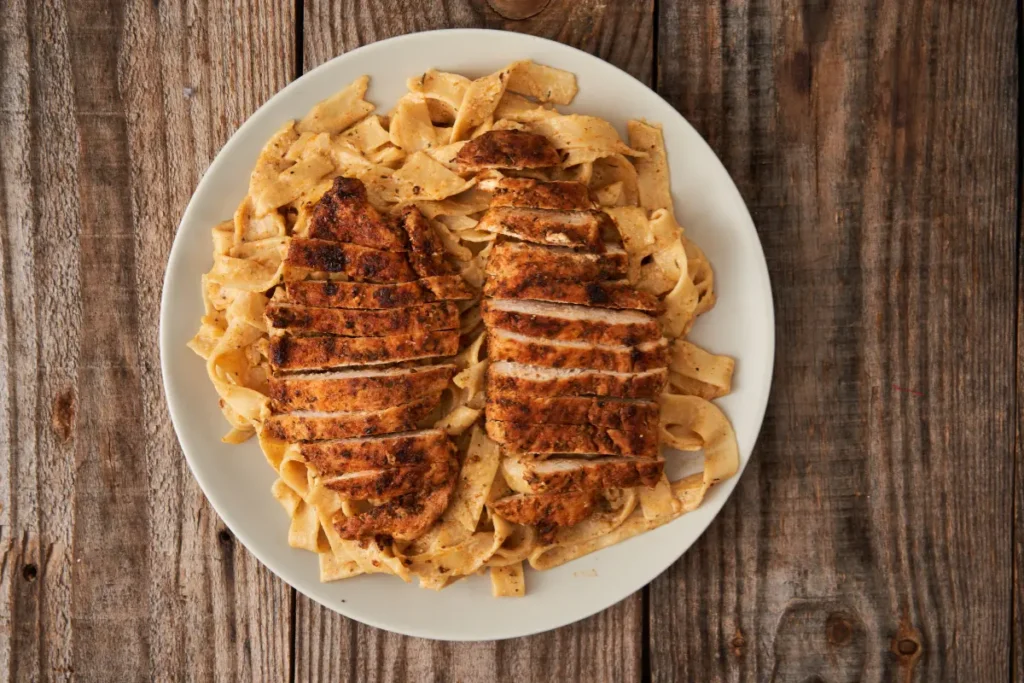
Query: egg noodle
pixel 407 157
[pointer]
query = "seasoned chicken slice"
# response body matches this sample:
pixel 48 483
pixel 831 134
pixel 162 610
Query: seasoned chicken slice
pixel 344 214
pixel 582 229
pixel 359 263
pixel 404 518
pixel 518 348
pixel 383 485
pixel 515 262
pixel 568 323
pixel 559 475
pixel 537 194
pixel 506 149
pixel 364 389
pixel 290 353
pixel 362 323
pixel 318 425
pixel 618 294
pixel 616 413
pixel 426 250
pixel 515 379
pixel 330 294
pixel 585 439
pixel 546 511
pixel 429 447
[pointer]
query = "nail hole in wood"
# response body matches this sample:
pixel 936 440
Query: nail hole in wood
pixel 906 647
pixel 30 572
pixel 224 536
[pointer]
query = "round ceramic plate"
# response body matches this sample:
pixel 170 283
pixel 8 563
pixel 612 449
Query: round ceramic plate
pixel 237 479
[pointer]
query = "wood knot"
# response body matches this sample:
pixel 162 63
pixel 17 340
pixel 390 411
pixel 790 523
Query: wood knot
pixel 838 629
pixel 62 416
pixel 906 646
pixel 224 536
pixel 737 642
pixel 30 572
pixel 517 10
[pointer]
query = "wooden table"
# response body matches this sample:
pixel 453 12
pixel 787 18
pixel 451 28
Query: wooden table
pixel 876 534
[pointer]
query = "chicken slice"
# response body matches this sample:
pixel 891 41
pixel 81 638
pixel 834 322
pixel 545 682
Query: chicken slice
pixel 616 413
pixel 516 261
pixel 618 294
pixel 510 346
pixel 290 353
pixel 330 294
pixel 545 439
pixel 364 389
pixel 537 194
pixel 318 425
pixel 382 485
pixel 429 447
pixel 560 475
pixel 426 250
pixel 506 149
pixel 546 511
pixel 515 379
pixel 567 322
pixel 583 229
pixel 404 518
pixel 362 323
pixel 357 262
pixel 344 214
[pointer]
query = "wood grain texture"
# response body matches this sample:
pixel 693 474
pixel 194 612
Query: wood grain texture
pixel 114 566
pixel 875 144
pixel 607 646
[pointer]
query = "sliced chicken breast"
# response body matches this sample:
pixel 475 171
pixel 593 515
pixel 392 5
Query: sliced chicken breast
pixel 362 323
pixel 537 194
pixel 330 294
pixel 616 413
pixel 510 149
pixel 517 262
pixel 344 214
pixel 404 518
pixel 546 511
pixel 566 322
pixel 518 348
pixel 427 252
pixel 381 485
pixel 291 353
pixel 585 439
pixel 357 262
pixel 618 294
pixel 582 229
pixel 345 456
pixel 364 389
pixel 318 425
pixel 559 475
pixel 515 379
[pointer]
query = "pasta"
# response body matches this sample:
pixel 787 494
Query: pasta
pixel 411 158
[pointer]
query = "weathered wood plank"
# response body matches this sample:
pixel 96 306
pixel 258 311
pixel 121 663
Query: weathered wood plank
pixel 875 144
pixel 114 566
pixel 607 646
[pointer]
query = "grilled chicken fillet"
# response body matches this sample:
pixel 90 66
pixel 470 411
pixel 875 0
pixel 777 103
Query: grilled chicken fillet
pixel 509 149
pixel 318 425
pixel 617 294
pixel 565 322
pixel 559 475
pixel 355 261
pixel 404 518
pixel 546 511
pixel 427 251
pixel 344 214
pixel 537 194
pixel 374 296
pixel 577 439
pixel 584 229
pixel 345 456
pixel 515 379
pixel 363 389
pixel 515 262
pixel 362 323
pixel 518 348
pixel 289 353
pixel 616 413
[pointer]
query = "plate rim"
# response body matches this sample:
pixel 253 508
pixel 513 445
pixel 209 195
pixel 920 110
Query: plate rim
pixel 176 253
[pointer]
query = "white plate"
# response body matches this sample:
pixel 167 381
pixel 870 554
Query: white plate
pixel 237 479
